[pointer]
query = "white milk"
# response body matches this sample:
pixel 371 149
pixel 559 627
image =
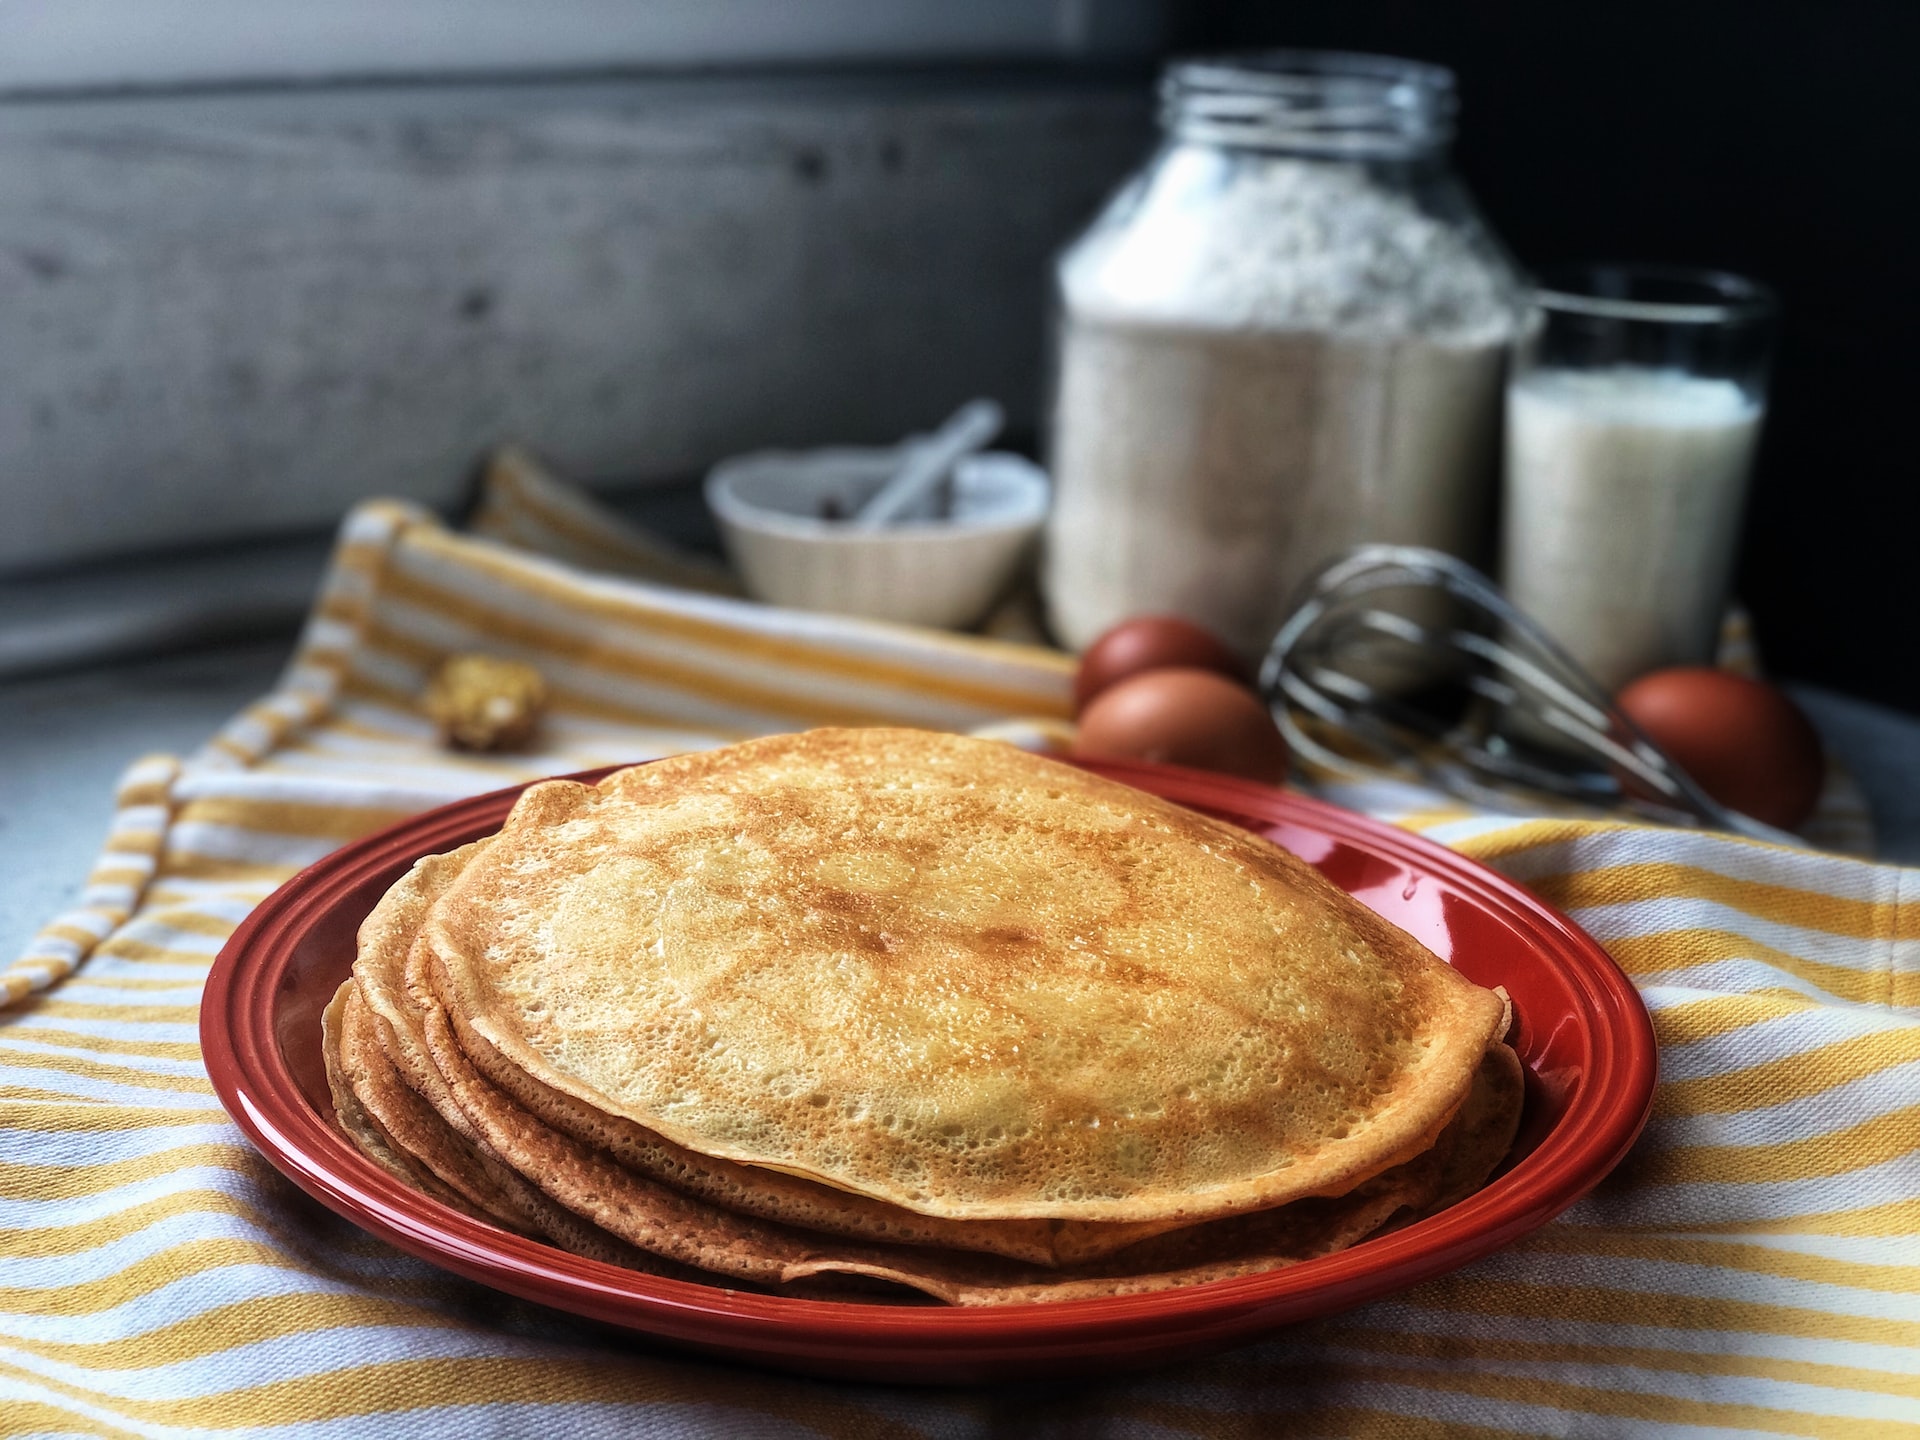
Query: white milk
pixel 1623 499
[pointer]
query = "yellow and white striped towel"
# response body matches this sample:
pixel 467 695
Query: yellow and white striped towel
pixel 1754 1268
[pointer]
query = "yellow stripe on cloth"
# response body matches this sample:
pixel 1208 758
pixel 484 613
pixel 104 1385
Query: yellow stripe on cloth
pixel 524 505
pixel 1753 1268
pixel 114 889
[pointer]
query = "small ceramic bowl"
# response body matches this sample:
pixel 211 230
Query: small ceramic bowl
pixel 783 516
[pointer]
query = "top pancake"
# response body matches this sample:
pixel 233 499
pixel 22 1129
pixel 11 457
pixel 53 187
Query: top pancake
pixel 956 977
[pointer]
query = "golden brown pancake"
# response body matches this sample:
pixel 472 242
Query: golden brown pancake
pixel 773 1195
pixel 375 1065
pixel 955 978
pixel 470 1179
pixel 428 1090
pixel 741 1250
pixel 386 940
pixel 1263 1240
pixel 407 1125
pixel 1484 1129
pixel 683 1229
pixel 384 1057
pixel 361 1128
pixel 385 937
pixel 665 1222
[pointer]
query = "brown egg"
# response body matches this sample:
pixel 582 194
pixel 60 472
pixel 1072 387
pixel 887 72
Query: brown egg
pixel 1152 642
pixel 1744 742
pixel 1184 717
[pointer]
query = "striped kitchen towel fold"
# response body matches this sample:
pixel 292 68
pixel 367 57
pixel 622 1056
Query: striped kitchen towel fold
pixel 1754 1268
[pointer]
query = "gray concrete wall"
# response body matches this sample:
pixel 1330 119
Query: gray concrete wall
pixel 232 314
pixel 98 44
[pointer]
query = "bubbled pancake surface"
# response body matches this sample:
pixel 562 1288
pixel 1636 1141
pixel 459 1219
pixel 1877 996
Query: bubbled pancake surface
pixel 385 980
pixel 957 978
pixel 582 1198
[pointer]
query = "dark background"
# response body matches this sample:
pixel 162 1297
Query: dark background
pixel 1780 140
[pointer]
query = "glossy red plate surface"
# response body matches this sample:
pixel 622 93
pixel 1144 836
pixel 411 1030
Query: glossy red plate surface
pixel 1581 1029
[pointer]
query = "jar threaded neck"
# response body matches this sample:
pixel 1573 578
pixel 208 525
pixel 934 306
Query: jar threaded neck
pixel 1311 102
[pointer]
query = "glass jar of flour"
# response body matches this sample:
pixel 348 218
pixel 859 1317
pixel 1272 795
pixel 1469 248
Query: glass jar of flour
pixel 1284 336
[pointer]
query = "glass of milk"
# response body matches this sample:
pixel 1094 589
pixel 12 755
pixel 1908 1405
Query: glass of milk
pixel 1633 409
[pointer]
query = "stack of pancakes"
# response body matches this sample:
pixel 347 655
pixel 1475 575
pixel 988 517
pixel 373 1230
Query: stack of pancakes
pixel 850 1011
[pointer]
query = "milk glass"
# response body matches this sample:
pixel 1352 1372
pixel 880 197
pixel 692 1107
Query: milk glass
pixel 1634 406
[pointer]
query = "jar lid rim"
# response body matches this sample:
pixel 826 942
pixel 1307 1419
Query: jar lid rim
pixel 1285 68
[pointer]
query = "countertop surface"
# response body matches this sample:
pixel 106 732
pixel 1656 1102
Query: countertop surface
pixel 65 738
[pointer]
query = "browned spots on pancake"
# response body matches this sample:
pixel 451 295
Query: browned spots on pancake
pixel 1000 936
pixel 959 979
pixel 726 901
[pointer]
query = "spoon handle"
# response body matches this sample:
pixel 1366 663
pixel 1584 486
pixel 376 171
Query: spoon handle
pixel 966 430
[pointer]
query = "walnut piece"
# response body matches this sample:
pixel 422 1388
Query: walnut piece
pixel 481 702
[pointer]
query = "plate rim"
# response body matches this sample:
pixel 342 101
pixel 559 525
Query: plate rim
pixel 239 1047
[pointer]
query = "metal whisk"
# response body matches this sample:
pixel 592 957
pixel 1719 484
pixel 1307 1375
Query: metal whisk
pixel 1412 660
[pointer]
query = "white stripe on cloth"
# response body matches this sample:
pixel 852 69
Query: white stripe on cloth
pixel 1443 1322
pixel 1852 1102
pixel 1707 1203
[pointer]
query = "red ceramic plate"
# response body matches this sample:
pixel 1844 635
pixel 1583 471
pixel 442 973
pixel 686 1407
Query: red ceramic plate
pixel 1582 1031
